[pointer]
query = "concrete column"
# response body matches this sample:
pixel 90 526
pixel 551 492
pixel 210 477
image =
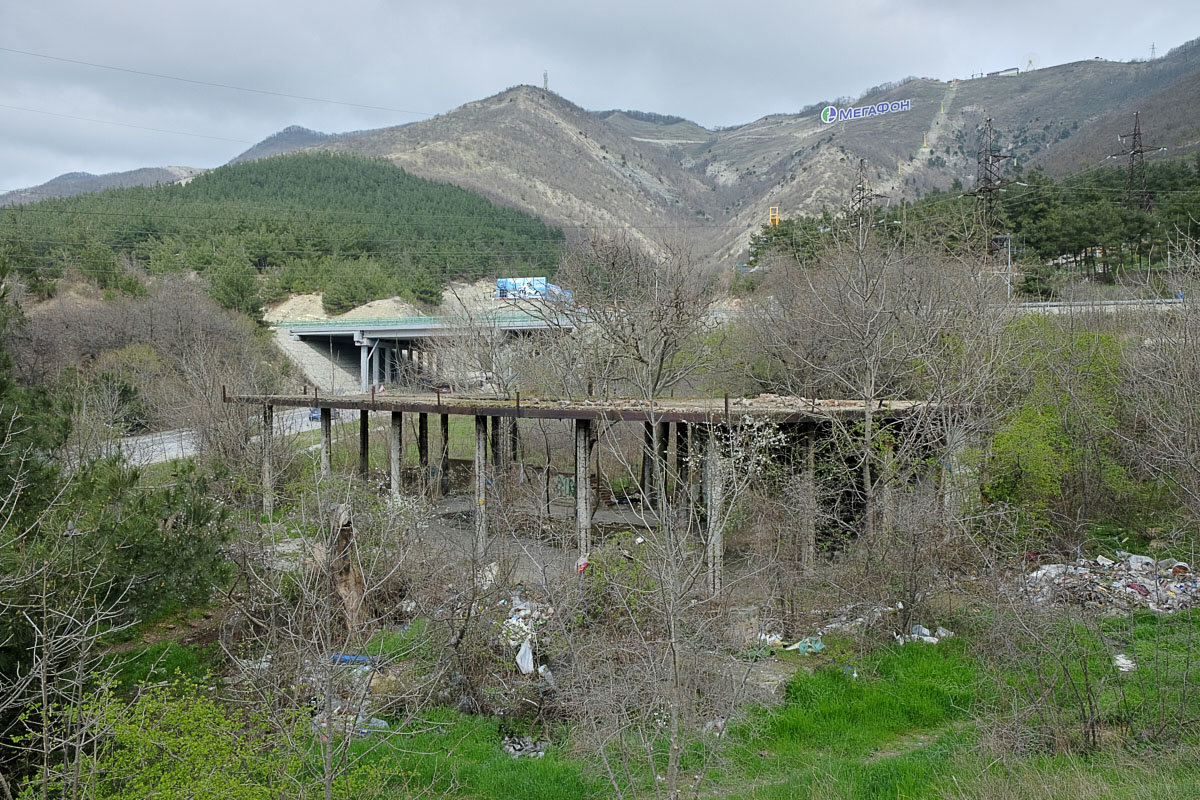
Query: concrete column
pixel 423 445
pixel 481 520
pixel 364 357
pixel 583 485
pixel 268 475
pixel 396 449
pixel 375 354
pixel 649 500
pixel 681 454
pixel 700 436
pixel 808 523
pixel 714 497
pixel 514 439
pixel 662 436
pixel 387 365
pixel 326 442
pixel 495 442
pixel 444 460
pixel 364 431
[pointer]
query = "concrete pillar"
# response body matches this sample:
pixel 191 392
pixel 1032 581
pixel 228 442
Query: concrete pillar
pixel 495 442
pixel 700 437
pixel 681 454
pixel 583 485
pixel 268 475
pixel 444 460
pixel 375 354
pixel 714 497
pixel 514 439
pixel 481 520
pixel 387 365
pixel 808 522
pixel 647 480
pixel 326 442
pixel 396 449
pixel 364 356
pixel 364 432
pixel 423 445
pixel 662 432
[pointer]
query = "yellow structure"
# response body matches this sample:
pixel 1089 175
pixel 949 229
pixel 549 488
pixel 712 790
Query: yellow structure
pixel 773 219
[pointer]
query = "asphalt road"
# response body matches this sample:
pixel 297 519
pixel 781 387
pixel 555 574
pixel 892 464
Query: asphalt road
pixel 155 448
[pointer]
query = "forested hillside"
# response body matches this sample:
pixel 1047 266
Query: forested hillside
pixel 355 228
pixel 1089 224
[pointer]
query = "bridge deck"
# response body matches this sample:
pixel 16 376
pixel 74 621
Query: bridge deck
pixel 702 410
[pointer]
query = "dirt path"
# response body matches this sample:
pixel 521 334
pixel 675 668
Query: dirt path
pixel 937 130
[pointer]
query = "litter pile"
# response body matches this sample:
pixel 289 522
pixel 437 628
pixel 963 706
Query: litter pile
pixel 805 645
pixel 345 721
pixel 848 619
pixel 919 633
pixel 1166 586
pixel 525 618
pixel 524 746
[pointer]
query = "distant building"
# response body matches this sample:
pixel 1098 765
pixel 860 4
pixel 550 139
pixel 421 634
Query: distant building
pixel 1004 72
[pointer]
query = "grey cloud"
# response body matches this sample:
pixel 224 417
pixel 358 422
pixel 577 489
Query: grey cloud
pixel 716 62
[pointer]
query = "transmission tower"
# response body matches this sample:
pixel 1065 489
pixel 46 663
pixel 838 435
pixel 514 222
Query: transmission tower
pixel 988 181
pixel 861 196
pixel 1136 193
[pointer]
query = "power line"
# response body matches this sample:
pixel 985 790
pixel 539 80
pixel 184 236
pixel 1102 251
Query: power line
pixel 123 124
pixel 214 84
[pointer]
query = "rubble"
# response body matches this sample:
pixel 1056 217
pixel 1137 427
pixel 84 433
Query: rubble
pixel 1166 586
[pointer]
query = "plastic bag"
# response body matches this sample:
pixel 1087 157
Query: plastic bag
pixel 525 657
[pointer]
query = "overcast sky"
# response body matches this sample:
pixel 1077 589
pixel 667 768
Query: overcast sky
pixel 717 62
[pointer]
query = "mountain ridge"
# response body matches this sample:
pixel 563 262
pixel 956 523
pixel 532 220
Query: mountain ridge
pixel 663 179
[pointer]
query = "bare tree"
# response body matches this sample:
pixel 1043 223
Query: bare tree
pixel 319 626
pixel 907 339
pixel 1165 379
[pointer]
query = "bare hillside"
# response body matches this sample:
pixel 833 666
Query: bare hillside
pixel 665 179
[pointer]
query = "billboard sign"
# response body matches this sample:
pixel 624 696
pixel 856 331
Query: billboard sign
pixel 834 114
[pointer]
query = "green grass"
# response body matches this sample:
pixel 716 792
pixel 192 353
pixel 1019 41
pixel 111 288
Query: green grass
pixel 453 754
pixel 888 733
pixel 163 661
pixel 906 727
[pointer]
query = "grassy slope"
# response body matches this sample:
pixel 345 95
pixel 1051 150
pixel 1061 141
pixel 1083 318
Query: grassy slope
pixel 906 727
